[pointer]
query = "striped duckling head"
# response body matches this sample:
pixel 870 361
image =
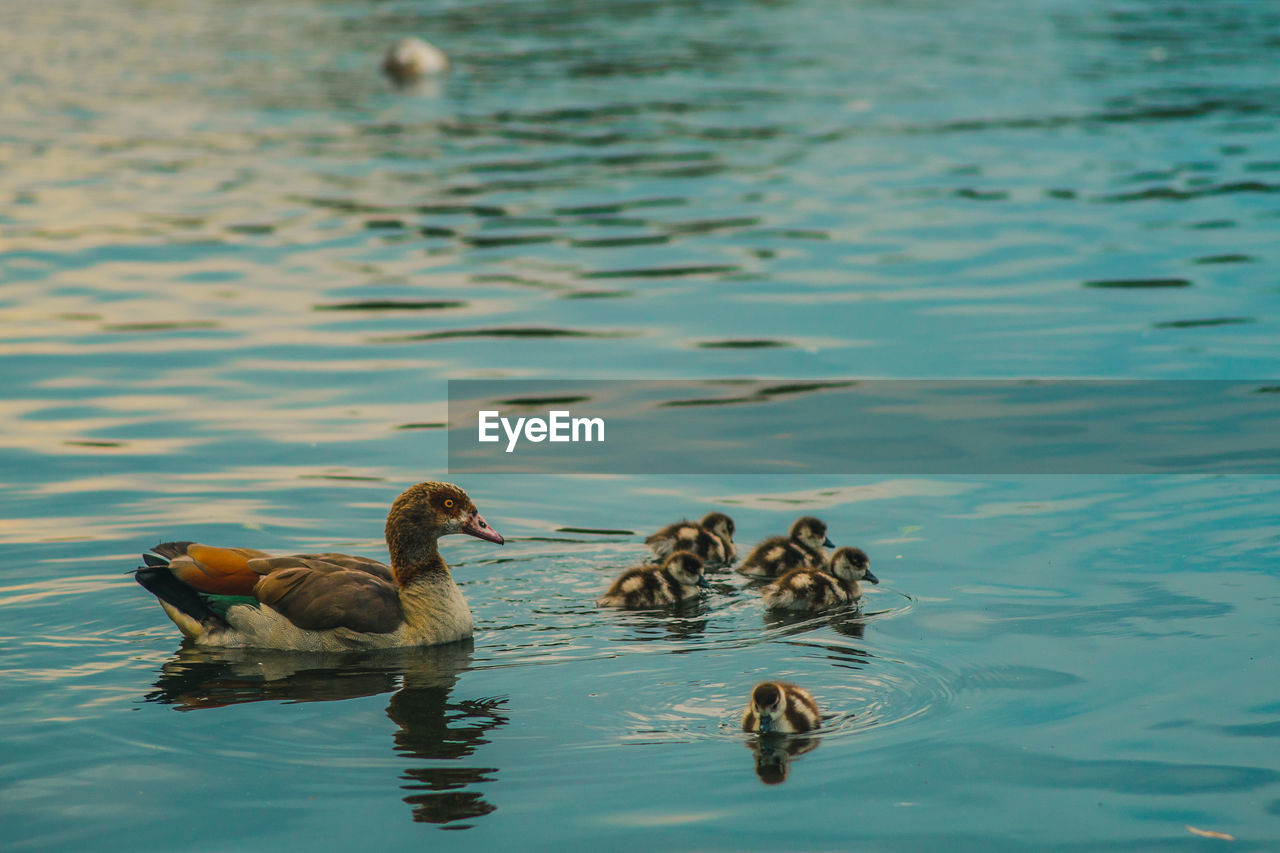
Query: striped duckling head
pixel 811 533
pixel 719 524
pixel 685 569
pixel 777 707
pixel 851 565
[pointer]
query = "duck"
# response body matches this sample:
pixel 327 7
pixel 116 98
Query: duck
pixel 678 578
pixel 779 707
pixel 246 598
pixel 818 589
pixel 802 547
pixel 710 539
pixel 410 59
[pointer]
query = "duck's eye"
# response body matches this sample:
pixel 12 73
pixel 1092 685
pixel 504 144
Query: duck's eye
pixel 448 502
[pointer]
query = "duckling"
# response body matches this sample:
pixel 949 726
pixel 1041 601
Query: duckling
pixel 802 547
pixel 411 59
pixel 777 707
pixel 645 587
pixel 242 597
pixel 710 539
pixel 814 589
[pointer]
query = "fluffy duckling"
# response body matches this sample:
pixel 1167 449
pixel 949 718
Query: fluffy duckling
pixel 802 547
pixel 710 539
pixel 814 589
pixel 241 597
pixel 644 587
pixel 411 59
pixel 777 707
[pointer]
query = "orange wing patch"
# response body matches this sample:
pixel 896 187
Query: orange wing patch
pixel 219 571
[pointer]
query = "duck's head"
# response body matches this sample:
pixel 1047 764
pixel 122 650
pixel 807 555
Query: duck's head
pixel 686 568
pixel 811 532
pixel 769 704
pixel 852 564
pixel 719 524
pixel 410 59
pixel 428 511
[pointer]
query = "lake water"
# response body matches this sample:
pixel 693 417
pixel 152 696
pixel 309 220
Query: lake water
pixel 238 269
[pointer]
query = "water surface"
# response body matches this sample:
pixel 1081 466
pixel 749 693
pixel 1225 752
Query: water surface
pixel 238 269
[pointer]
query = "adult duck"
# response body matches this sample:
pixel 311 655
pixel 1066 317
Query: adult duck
pixel 325 602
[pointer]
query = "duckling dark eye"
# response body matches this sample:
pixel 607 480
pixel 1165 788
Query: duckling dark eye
pixel 448 502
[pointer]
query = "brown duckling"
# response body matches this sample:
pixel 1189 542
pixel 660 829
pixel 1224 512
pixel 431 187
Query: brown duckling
pixel 802 547
pixel 814 589
pixel 777 707
pixel 325 602
pixel 644 587
pixel 710 539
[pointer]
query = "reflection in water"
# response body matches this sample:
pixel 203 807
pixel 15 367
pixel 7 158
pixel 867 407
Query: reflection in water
pixel 774 752
pixel 850 621
pixel 683 620
pixel 431 728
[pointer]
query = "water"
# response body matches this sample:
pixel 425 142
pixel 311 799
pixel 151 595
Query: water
pixel 238 270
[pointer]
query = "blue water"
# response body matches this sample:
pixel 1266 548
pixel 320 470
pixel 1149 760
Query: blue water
pixel 238 269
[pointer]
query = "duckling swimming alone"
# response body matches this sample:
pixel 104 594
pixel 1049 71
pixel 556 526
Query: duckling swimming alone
pixel 776 555
pixel 814 589
pixel 644 587
pixel 710 539
pixel 777 707
pixel 411 59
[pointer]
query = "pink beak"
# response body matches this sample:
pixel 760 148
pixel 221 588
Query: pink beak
pixel 476 526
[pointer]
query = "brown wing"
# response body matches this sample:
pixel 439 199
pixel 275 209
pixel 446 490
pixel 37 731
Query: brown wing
pixel 318 595
pixel 220 571
pixel 316 592
pixel 361 564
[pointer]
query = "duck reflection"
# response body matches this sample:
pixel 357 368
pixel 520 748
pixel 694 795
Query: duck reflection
pixel 773 754
pixel 430 726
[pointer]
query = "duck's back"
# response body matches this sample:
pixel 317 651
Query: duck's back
pixel 642 587
pixel 775 556
pixel 243 597
pixel 688 536
pixel 804 589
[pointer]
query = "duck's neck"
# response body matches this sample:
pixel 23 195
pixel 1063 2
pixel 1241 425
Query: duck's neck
pixel 415 559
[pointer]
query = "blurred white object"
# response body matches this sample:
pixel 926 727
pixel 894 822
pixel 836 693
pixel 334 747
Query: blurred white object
pixel 411 59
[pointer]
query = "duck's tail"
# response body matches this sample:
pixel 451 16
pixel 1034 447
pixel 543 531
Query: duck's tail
pixel 189 609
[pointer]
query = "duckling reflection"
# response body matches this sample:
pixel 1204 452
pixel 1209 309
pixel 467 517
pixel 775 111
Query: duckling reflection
pixel 773 754
pixel 683 620
pixel 431 728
